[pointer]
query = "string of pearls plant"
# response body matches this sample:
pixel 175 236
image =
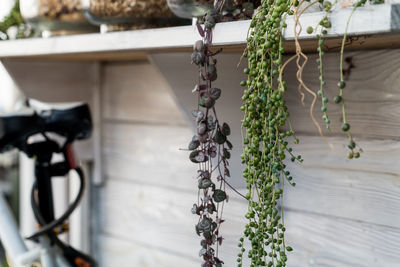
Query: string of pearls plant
pixel 265 119
pixel 265 145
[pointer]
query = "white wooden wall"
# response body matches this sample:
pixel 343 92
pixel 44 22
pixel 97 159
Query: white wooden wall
pixel 342 213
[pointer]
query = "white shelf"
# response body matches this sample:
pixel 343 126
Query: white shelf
pixel 367 21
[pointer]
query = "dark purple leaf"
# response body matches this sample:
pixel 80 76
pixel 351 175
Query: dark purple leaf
pixel 215 93
pixel 198 58
pixel 206 102
pixel 194 209
pixel 227 154
pixel 193 145
pixel 229 144
pixel 204 183
pixel 220 138
pixel 226 130
pixel 204 174
pixel 219 195
pixel 227 172
pixel 201 128
pixel 212 72
pixel 202 252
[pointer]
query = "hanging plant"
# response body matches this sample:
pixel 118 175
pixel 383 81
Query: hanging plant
pixel 210 146
pixel 265 119
pixel 14 19
pixel 323 27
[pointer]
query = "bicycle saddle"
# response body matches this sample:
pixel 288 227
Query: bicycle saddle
pixel 70 120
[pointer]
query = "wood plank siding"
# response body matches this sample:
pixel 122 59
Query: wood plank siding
pixel 341 213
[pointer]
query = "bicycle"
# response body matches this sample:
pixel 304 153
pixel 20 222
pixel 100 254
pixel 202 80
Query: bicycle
pixel 69 122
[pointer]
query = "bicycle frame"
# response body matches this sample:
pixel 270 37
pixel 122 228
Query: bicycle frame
pixel 16 249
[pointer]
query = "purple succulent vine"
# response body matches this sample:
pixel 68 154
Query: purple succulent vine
pixel 210 147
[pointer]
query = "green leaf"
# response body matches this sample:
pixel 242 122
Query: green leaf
pixel 220 138
pixel 226 130
pixel 219 195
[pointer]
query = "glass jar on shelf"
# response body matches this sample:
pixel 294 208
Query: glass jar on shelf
pixel 232 10
pixel 115 15
pixel 190 8
pixel 56 17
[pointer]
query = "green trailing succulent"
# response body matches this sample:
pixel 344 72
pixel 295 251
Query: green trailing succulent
pixel 266 120
pixel 265 138
pixel 323 27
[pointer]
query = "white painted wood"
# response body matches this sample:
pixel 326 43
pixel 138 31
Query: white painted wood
pixel 148 153
pixel 371 94
pixel 118 251
pixel 60 186
pixel 158 215
pixel 181 76
pixel 79 235
pixel 370 184
pixel 96 111
pixel 358 195
pixel 366 20
pixel 371 19
pixel 161 217
pixel 138 92
pixel 332 242
pixel 379 156
pixel 27 177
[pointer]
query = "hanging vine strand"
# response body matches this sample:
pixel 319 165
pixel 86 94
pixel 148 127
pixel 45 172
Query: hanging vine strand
pixel 210 146
pixel 264 137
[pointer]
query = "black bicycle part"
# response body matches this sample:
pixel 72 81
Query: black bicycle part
pixel 73 256
pixel 73 123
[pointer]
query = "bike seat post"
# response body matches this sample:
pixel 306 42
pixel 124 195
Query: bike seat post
pixel 43 152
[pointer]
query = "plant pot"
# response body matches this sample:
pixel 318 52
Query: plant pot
pixel 190 8
pixel 129 14
pixel 232 10
pixel 55 17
